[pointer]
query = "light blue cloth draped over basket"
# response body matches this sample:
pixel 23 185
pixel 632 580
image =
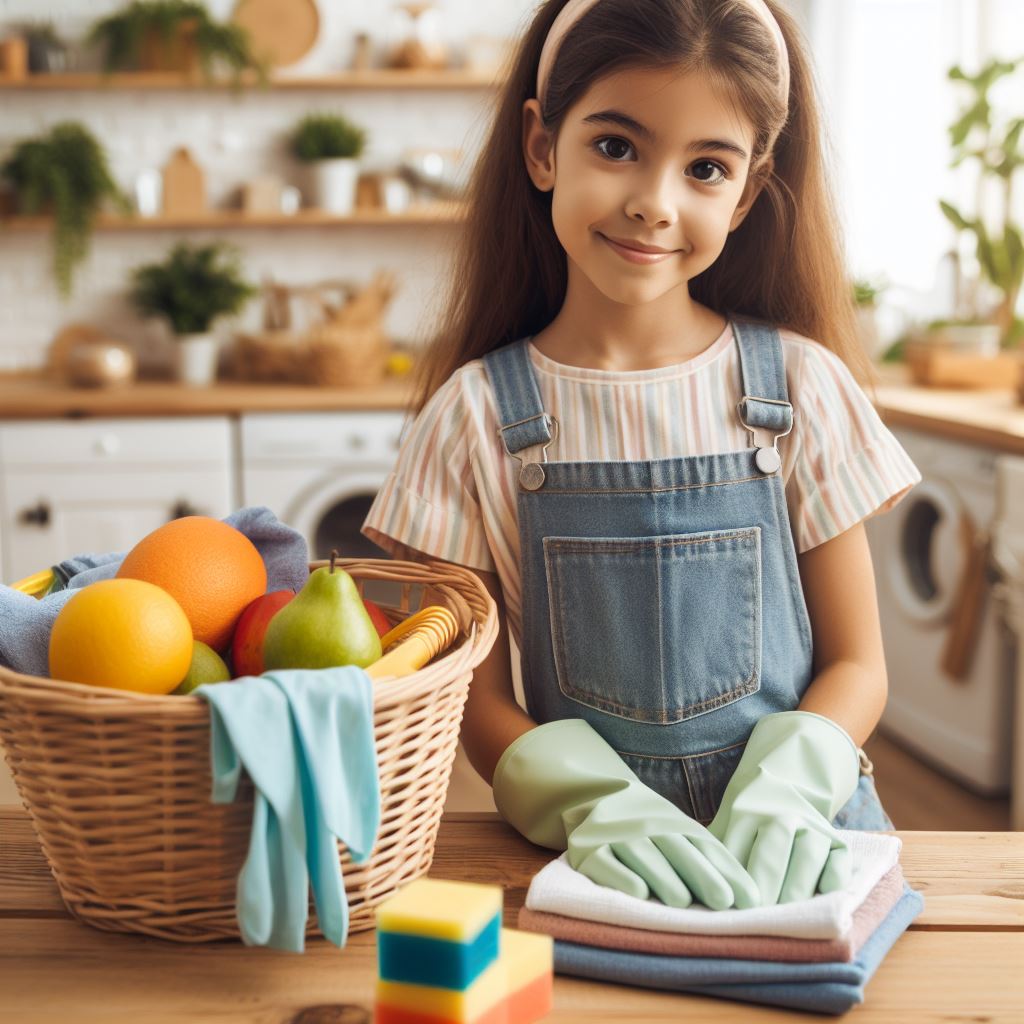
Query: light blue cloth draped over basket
pixel 306 739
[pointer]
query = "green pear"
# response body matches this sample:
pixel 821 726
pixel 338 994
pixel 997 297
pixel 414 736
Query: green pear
pixel 325 624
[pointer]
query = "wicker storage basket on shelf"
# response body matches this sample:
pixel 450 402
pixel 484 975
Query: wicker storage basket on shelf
pixel 118 784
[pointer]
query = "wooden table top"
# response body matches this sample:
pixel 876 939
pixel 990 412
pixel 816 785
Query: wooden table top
pixel 961 960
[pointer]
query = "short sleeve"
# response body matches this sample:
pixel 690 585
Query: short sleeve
pixel 848 464
pixel 429 501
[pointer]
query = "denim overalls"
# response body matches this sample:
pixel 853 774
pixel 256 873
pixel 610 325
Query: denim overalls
pixel 661 599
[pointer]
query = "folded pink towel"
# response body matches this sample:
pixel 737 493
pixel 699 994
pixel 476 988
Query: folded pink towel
pixel 866 918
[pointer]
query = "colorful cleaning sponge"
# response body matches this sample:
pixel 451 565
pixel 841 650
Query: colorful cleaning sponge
pixel 434 932
pixel 444 959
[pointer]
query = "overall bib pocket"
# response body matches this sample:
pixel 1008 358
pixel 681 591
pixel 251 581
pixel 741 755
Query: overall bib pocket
pixel 656 629
pixel 694 783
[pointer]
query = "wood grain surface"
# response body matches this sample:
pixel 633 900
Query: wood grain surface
pixel 31 397
pixel 961 960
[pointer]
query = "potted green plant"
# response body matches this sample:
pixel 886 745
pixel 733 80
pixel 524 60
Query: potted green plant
pixel 172 35
pixel 192 288
pixel 64 174
pixel 47 52
pixel 331 146
pixel 979 133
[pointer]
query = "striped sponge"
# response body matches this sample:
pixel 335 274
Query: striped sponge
pixel 443 958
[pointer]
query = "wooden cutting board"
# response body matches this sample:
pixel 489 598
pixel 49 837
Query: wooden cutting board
pixel 184 186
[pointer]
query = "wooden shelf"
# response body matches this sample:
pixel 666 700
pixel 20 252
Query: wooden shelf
pixel 433 213
pixel 376 78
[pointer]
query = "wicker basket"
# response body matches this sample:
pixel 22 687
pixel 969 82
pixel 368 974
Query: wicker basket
pixel 270 357
pixel 346 356
pixel 118 784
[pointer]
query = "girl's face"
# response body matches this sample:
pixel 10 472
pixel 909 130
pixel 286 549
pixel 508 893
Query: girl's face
pixel 650 159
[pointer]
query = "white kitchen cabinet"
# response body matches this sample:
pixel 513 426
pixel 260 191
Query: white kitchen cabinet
pixel 69 487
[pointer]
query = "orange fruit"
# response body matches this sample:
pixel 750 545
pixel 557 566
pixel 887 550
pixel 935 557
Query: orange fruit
pixel 211 569
pixel 124 634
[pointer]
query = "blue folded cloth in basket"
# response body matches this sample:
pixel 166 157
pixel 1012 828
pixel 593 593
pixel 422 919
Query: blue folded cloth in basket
pixel 25 622
pixel 306 740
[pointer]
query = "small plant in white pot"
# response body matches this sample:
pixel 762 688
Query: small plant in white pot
pixel 191 289
pixel 331 146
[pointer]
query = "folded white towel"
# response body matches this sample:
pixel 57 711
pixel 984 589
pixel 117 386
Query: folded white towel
pixel 558 889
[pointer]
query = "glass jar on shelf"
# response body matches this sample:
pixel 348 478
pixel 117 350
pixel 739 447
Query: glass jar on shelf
pixel 417 31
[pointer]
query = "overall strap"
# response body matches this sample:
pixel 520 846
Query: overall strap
pixel 765 401
pixel 520 410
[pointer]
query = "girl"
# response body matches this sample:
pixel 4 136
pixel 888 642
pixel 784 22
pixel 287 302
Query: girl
pixel 638 425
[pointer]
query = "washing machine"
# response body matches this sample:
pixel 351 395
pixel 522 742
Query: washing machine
pixel 959 723
pixel 319 472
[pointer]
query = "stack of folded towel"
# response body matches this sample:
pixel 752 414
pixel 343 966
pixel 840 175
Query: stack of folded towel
pixel 815 954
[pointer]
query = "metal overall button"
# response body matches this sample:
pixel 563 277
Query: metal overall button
pixel 531 476
pixel 768 460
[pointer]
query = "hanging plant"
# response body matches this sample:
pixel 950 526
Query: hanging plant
pixel 64 174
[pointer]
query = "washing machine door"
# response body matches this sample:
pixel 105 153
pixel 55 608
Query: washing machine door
pixel 924 557
pixel 330 512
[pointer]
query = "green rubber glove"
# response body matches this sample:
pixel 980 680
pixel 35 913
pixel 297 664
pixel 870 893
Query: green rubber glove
pixel 562 786
pixel 797 771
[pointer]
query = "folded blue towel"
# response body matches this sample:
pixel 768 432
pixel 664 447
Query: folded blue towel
pixel 306 740
pixel 25 623
pixel 820 987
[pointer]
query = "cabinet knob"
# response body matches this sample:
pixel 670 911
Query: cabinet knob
pixel 184 508
pixel 37 516
pixel 107 444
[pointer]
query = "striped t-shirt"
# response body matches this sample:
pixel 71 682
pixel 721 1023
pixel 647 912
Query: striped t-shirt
pixel 452 493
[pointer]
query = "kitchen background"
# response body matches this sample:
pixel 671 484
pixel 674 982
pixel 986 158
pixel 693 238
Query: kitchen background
pixel 100 442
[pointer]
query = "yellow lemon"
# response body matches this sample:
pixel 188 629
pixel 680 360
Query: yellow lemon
pixel 124 634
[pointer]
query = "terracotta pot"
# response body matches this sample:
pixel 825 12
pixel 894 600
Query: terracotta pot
pixel 179 53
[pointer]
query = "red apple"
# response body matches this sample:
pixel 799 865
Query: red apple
pixel 247 644
pixel 377 617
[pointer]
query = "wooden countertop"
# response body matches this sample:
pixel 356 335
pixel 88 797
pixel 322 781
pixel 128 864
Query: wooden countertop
pixel 990 418
pixel 960 960
pixel 33 397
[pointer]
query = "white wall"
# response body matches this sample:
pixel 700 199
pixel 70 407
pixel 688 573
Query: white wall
pixel 235 137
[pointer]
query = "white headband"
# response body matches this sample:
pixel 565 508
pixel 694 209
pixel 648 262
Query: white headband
pixel 575 9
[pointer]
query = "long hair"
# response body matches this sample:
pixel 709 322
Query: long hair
pixel 784 265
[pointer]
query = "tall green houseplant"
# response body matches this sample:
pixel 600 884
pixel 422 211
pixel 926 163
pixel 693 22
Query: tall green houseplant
pixel 978 134
pixel 64 174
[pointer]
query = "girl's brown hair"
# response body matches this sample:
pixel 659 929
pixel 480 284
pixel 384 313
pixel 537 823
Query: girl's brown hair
pixel 784 265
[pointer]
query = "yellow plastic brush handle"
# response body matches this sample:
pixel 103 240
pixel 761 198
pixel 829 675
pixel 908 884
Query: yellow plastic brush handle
pixel 412 643
pixel 432 614
pixel 35 585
